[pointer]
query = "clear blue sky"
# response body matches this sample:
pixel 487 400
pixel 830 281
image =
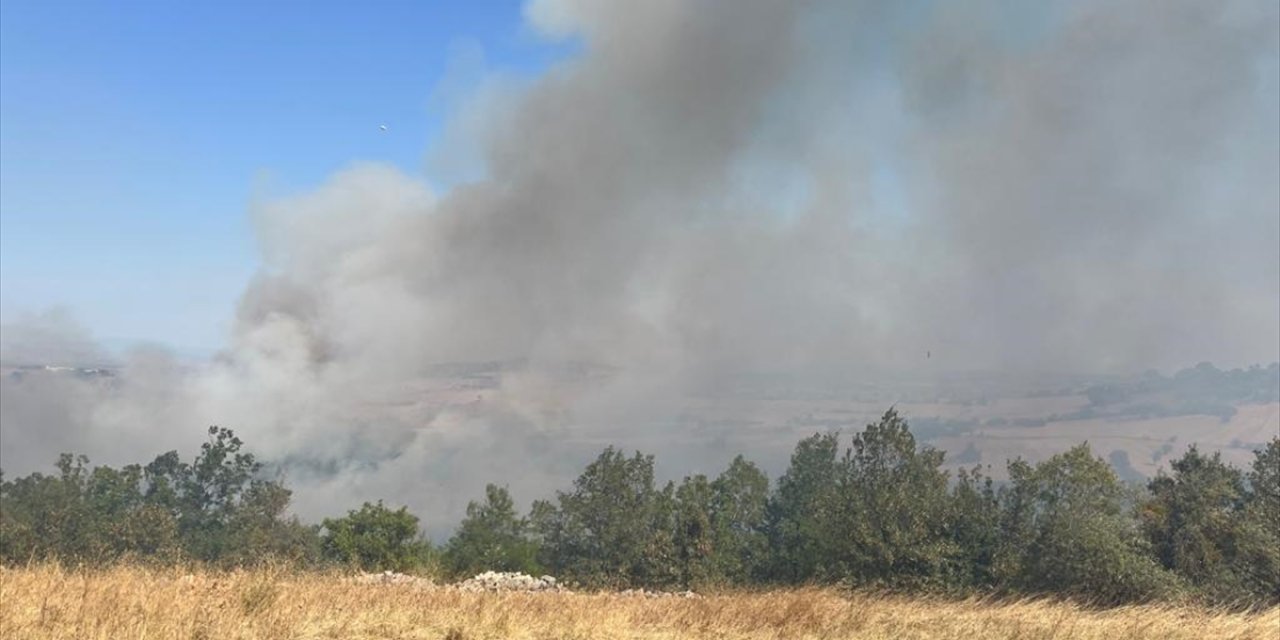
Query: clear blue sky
pixel 133 133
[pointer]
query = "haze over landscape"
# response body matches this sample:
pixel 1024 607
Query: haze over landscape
pixel 703 229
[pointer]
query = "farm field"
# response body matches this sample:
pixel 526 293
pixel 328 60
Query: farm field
pixel 130 602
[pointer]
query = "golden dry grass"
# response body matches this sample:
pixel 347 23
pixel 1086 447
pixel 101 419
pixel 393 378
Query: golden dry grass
pixel 130 602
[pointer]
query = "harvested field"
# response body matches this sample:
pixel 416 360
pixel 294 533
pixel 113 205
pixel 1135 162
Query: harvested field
pixel 128 602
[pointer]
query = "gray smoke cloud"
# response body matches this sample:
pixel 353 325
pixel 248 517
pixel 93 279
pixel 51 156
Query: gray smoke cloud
pixel 718 188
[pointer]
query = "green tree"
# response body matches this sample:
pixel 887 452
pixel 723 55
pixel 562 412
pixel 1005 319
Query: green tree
pixel 801 513
pixel 492 537
pixel 1064 530
pixel 974 528
pixel 215 509
pixel 120 521
pixel 1259 541
pixel 614 528
pixel 82 515
pixel 1193 519
pixel 45 516
pixel 375 538
pixel 893 510
pixel 739 501
pixel 696 543
pixel 204 495
pixel 720 526
pixel 259 530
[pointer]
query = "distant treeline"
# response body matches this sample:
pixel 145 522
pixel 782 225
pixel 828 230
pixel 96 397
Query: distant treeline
pixel 879 513
pixel 1202 389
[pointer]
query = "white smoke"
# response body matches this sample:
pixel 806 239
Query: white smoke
pixel 716 188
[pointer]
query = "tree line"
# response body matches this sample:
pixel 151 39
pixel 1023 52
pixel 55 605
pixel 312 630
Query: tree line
pixel 880 512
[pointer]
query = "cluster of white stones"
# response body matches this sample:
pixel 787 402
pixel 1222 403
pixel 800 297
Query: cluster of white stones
pixel 503 581
pixel 512 581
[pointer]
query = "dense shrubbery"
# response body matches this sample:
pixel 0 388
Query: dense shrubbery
pixel 1064 529
pixel 882 514
pixel 492 538
pixel 376 538
pixel 214 509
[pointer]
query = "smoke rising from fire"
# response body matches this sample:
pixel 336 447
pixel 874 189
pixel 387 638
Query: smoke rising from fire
pixel 716 188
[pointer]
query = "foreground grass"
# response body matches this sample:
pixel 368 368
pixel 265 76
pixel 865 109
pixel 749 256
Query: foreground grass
pixel 129 602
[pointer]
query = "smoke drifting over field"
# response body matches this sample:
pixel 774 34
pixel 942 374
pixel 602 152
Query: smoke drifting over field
pixel 725 187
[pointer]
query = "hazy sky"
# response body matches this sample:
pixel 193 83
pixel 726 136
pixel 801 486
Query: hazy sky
pixel 1032 174
pixel 133 136
pixel 137 139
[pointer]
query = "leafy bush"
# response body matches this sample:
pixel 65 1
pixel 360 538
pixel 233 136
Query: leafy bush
pixel 376 538
pixel 214 509
pixel 1064 530
pixel 492 538
pixel 613 528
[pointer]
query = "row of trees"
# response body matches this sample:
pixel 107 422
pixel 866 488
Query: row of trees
pixel 880 513
pixel 216 508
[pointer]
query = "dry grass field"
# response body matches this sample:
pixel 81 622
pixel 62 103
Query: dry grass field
pixel 134 603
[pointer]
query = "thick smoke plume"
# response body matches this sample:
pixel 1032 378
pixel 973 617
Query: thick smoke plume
pixel 718 188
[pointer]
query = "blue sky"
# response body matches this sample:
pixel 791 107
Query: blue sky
pixel 133 135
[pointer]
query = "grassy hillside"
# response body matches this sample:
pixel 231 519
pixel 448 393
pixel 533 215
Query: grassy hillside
pixel 130 602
